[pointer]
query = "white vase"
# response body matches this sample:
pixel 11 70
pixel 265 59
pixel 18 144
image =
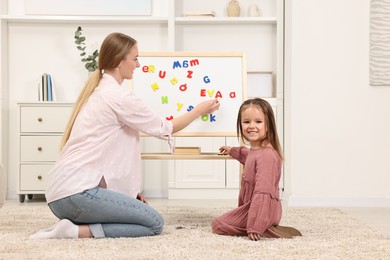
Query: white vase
pixel 254 11
pixel 233 9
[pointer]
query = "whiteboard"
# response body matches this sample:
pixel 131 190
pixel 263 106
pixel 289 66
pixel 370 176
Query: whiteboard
pixel 173 83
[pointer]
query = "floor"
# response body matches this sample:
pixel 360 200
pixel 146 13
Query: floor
pixel 377 218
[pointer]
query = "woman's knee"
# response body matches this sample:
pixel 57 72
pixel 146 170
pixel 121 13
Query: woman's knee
pixel 159 225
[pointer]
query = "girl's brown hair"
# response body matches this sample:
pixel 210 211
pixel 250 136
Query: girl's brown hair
pixel 114 49
pixel 271 135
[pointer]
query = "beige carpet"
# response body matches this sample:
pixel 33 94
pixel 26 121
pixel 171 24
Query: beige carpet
pixel 328 234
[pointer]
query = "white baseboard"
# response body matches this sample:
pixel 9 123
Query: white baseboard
pixel 338 202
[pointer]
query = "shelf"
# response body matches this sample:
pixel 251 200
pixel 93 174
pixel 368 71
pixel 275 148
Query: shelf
pixel 226 20
pixel 169 156
pixel 84 19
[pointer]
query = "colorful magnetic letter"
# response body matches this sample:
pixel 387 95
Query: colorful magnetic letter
pixel 155 86
pixel 174 81
pixel 190 108
pixel 164 99
pixel 162 74
pixel 179 106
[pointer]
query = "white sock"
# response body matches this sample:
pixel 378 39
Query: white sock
pixel 63 229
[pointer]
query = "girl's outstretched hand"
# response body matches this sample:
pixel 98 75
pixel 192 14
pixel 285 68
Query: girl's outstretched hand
pixel 208 106
pixel 225 149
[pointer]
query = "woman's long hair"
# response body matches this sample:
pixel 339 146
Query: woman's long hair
pixel 271 135
pixel 114 49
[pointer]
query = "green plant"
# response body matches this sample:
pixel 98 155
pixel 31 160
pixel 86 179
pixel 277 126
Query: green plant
pixel 91 63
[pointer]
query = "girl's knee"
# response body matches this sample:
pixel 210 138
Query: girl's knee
pixel 215 225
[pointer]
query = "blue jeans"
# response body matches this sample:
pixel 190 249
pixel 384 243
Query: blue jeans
pixel 109 214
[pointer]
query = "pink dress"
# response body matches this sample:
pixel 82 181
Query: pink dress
pixel 259 205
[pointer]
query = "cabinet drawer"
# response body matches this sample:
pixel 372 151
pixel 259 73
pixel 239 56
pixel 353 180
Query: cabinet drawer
pixel 44 119
pixel 39 148
pixel 33 177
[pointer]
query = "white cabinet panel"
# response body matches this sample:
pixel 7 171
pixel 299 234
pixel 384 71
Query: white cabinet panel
pixel 199 174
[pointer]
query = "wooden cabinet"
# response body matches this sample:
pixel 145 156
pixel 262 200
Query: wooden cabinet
pixel 40 133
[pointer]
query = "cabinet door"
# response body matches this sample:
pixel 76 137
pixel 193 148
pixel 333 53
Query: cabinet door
pixel 200 173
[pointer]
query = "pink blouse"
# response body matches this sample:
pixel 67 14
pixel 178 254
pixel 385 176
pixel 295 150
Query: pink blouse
pixel 105 142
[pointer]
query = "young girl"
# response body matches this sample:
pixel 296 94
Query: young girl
pixel 259 209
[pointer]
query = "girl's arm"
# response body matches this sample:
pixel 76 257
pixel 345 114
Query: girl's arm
pixel 239 153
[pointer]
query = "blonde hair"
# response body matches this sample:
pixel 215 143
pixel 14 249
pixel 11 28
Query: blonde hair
pixel 114 49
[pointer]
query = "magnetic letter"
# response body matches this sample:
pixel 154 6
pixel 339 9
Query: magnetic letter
pixel 212 118
pixel 189 74
pixel 174 81
pixel 183 87
pixel 190 108
pixel 202 92
pixel 185 64
pixel 218 95
pixel 206 79
pixel 179 106
pixel 145 69
pixel 152 68
pixel 194 62
pixel 176 64
pixel 162 74
pixel 155 86
pixel 210 92
pixel 205 117
pixel 169 118
pixel 232 94
pixel 164 99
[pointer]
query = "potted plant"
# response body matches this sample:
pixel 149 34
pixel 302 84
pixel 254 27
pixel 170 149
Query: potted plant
pixel 91 63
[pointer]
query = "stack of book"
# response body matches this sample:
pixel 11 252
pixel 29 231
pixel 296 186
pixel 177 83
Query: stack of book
pixel 46 90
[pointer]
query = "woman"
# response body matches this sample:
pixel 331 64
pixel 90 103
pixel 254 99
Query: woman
pixel 94 187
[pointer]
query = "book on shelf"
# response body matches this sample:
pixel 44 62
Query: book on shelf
pixel 46 89
pixel 200 14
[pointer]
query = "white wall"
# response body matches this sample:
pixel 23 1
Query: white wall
pixel 337 125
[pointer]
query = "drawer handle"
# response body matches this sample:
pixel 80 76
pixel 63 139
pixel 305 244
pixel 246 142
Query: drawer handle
pixel 39 177
pixel 40 119
pixel 39 148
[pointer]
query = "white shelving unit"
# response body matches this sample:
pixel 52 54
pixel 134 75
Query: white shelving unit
pixel 34 44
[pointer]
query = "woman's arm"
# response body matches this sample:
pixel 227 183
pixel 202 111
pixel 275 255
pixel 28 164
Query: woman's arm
pixel 204 107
